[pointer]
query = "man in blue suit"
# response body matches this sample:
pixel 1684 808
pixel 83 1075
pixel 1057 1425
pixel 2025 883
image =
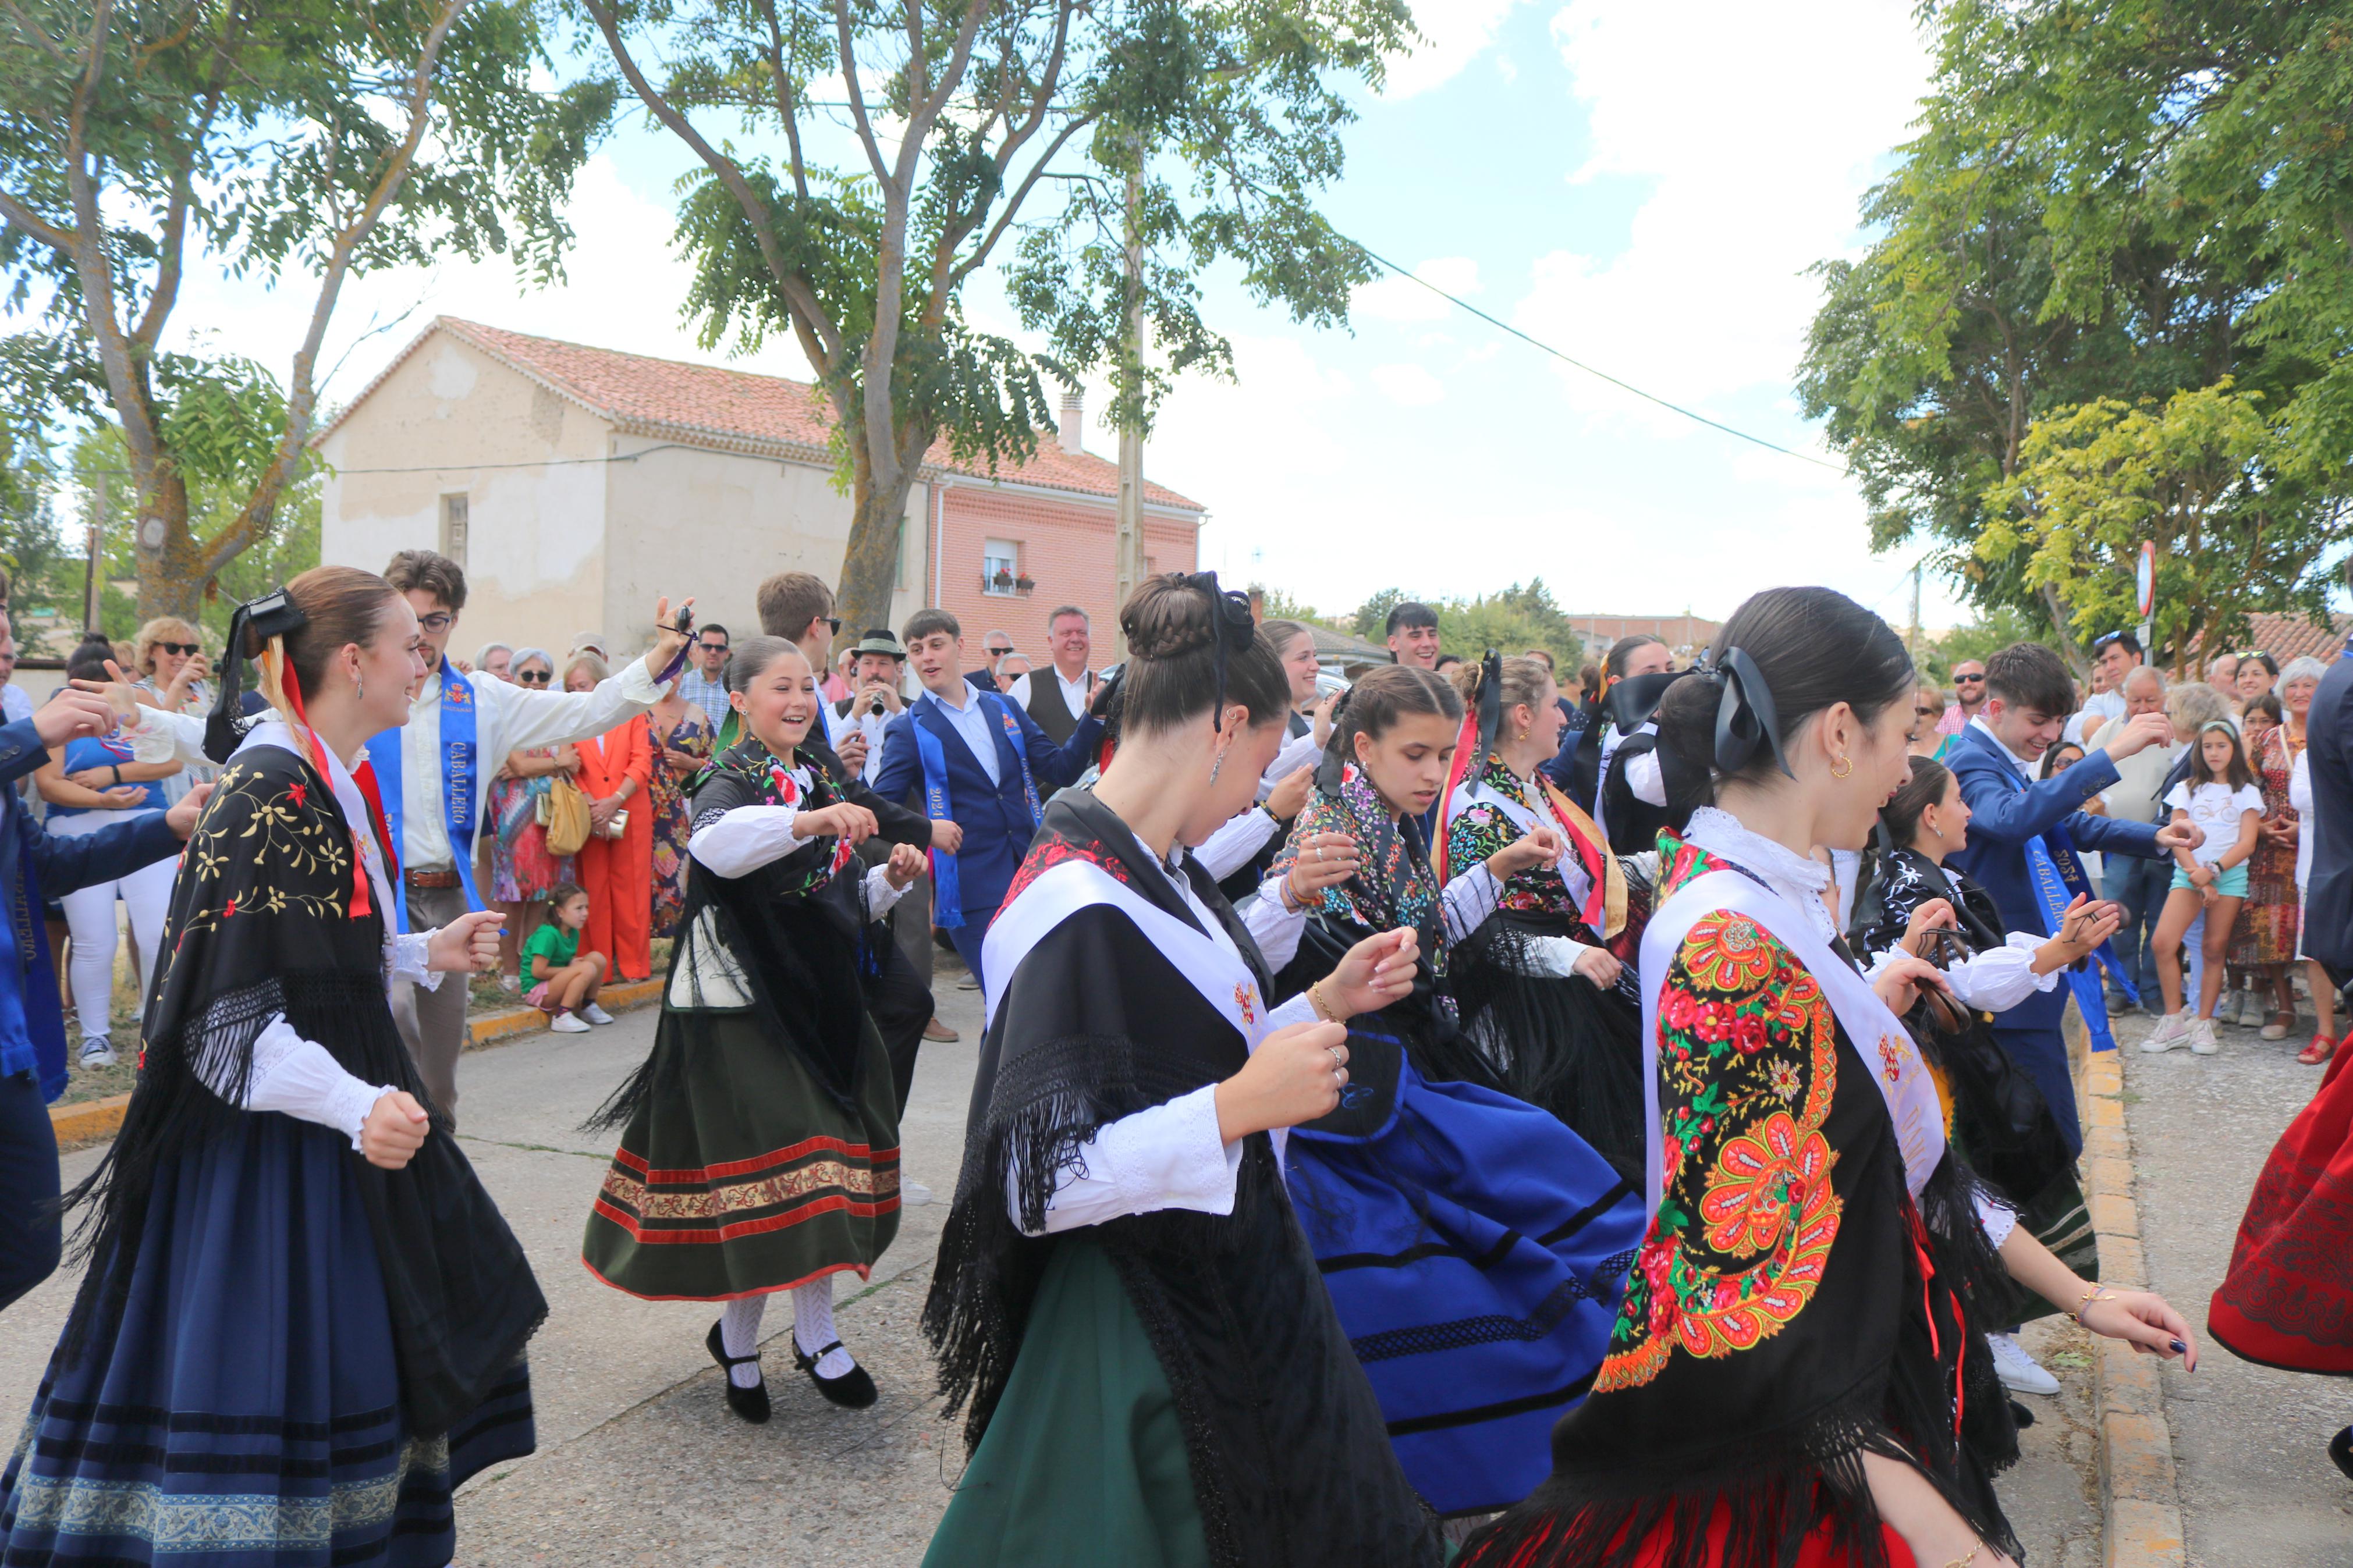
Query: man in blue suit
pixel 980 761
pixel 2328 898
pixel 1994 759
pixel 32 865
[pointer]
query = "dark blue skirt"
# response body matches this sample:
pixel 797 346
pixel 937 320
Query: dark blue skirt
pixel 1475 1249
pixel 244 1411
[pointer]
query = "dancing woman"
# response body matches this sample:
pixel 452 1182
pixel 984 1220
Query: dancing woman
pixel 1473 1245
pixel 1795 1376
pixel 1538 977
pixel 303 1321
pixel 760 1139
pixel 1124 1305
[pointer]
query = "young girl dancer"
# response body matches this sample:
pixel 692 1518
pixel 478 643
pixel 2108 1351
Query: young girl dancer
pixel 760 1142
pixel 1794 1377
pixel 2219 797
pixel 1124 1303
pixel 303 1321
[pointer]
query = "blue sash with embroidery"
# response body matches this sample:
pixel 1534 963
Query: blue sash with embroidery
pixel 459 777
pixel 2058 877
pixel 947 905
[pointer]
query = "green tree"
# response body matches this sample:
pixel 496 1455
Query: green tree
pixel 283 138
pixel 971 126
pixel 2205 477
pixel 1370 619
pixel 1997 628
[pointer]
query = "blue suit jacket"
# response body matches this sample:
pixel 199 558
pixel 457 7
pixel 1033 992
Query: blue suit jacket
pixel 2005 810
pixel 994 816
pixel 34 865
pixel 2328 899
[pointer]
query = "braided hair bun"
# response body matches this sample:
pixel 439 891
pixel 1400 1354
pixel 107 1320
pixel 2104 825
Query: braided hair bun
pixel 1192 649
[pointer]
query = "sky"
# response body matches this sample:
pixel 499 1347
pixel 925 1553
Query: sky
pixel 1641 186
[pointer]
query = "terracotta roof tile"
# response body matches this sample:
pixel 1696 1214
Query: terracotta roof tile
pixel 2293 637
pixel 674 394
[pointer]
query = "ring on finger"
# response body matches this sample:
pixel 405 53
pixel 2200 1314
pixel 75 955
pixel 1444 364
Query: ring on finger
pixel 1339 1056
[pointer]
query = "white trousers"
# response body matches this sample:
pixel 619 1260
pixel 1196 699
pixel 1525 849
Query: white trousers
pixel 89 915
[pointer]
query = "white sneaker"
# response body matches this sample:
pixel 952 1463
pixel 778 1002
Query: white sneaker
pixel 912 1195
pixel 596 1014
pixel 2017 1371
pixel 568 1024
pixel 97 1052
pixel 2201 1037
pixel 2251 1010
pixel 2171 1031
pixel 511 983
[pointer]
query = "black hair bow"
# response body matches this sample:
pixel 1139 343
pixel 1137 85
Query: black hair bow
pixel 270 615
pixel 1744 719
pixel 1233 626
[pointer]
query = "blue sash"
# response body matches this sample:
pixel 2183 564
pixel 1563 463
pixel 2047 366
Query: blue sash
pixel 947 906
pixel 2058 877
pixel 458 791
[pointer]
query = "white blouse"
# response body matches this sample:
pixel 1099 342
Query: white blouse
pixel 743 839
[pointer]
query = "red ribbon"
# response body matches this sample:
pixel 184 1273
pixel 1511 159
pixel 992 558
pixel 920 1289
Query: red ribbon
pixel 361 904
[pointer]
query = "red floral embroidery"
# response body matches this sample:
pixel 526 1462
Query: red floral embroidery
pixel 1046 853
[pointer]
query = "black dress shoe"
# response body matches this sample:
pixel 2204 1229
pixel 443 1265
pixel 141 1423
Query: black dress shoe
pixel 2019 1415
pixel 751 1403
pixel 2340 1449
pixel 853 1390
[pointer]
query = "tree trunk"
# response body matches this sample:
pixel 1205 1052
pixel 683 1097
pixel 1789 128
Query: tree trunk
pixel 171 573
pixel 2068 648
pixel 870 566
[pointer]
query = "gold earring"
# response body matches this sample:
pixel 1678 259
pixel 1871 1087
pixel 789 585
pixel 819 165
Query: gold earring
pixel 1843 767
pixel 1524 731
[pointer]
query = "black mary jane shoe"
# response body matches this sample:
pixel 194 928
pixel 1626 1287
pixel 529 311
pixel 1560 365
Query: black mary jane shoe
pixel 2340 1449
pixel 751 1403
pixel 853 1390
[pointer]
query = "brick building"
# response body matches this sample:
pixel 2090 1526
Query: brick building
pixel 575 484
pixel 1686 634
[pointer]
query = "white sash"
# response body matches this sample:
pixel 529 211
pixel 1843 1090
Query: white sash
pixel 1878 1036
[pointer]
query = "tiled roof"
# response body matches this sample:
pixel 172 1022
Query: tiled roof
pixel 2293 637
pixel 674 397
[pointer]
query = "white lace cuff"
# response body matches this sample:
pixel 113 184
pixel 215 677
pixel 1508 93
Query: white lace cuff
pixel 405 957
pixel 299 1078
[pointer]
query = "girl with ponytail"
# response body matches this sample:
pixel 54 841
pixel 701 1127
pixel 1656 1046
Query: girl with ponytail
pixel 1799 1370
pixel 293 1273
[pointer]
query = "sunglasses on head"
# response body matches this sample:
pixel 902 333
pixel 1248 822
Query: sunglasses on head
pixel 534 677
pixel 186 649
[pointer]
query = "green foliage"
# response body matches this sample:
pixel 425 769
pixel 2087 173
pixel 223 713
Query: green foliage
pixel 2205 476
pixel 1999 627
pixel 2116 202
pixel 1511 622
pixel 1279 606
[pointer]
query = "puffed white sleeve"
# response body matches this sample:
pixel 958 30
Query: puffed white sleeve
pixel 297 1077
pixel 1166 1157
pixel 2001 977
pixel 405 957
pixel 1642 777
pixel 1229 848
pixel 164 737
pixel 1468 900
pixel 1299 751
pixel 746 838
pixel 1277 930
pixel 1996 1218
pixel 881 898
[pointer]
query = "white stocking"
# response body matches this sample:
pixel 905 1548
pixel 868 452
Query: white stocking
pixel 813 1326
pixel 739 1335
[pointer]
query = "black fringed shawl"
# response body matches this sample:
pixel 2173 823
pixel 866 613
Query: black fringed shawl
pixel 260 924
pixel 1290 1461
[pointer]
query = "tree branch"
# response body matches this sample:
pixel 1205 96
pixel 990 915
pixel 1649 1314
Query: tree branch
pixel 786 90
pixel 13 209
pixel 955 276
pixel 857 116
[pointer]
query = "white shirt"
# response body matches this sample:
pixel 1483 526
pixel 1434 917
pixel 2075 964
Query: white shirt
pixel 2098 708
pixel 1168 1156
pixel 1298 751
pixel 860 721
pixel 2024 765
pixel 506 718
pixel 1074 692
pixel 2299 796
pixel 974 724
pixel 1994 981
pixel 2215 808
pixel 747 837
pixel 16 704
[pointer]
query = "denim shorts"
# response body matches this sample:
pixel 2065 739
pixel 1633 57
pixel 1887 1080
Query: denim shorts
pixel 2231 884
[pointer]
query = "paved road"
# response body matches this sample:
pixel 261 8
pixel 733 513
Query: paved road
pixel 2249 1444
pixel 640 1462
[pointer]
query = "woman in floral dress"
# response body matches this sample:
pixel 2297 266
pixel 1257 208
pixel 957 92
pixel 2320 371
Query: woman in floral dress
pixel 2265 940
pixel 682 737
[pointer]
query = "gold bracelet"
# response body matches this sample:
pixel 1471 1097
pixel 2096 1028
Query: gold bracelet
pixel 1322 1009
pixel 1965 1562
pixel 2092 1294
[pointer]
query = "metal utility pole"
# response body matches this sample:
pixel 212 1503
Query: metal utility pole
pixel 93 584
pixel 1127 561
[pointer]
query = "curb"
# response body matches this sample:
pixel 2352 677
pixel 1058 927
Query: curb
pixel 2141 1502
pixel 91 1120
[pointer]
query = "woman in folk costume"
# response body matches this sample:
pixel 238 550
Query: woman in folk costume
pixel 760 1139
pixel 1124 1304
pixel 1538 978
pixel 1796 1377
pixel 303 1321
pixel 1473 1245
pixel 1910 899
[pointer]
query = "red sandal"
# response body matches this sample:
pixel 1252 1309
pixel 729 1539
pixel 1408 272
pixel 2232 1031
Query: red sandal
pixel 2319 1052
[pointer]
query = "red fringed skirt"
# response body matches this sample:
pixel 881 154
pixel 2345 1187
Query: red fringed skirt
pixel 2287 1301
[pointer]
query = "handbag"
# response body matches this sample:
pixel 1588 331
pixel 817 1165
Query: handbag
pixel 564 810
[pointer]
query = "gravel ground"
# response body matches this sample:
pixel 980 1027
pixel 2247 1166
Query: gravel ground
pixel 2250 1444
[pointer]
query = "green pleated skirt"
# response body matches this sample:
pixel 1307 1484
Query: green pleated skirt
pixel 1083 1462
pixel 739 1176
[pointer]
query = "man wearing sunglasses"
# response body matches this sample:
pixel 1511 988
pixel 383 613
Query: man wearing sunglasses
pixel 435 771
pixel 704 684
pixel 1968 696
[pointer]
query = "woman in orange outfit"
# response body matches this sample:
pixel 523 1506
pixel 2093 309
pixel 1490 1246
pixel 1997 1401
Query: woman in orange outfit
pixel 618 873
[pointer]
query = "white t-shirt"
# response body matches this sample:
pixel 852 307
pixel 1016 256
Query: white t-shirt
pixel 2215 808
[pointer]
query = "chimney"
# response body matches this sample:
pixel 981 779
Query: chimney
pixel 1072 425
pixel 1258 605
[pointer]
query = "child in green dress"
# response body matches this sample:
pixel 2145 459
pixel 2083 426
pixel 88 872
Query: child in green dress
pixel 564 980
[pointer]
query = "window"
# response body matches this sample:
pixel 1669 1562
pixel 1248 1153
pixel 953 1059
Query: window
pixel 1000 567
pixel 453 528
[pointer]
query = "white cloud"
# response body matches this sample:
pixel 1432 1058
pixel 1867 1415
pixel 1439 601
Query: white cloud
pixel 1392 298
pixel 1408 386
pixel 1756 135
pixel 1454 33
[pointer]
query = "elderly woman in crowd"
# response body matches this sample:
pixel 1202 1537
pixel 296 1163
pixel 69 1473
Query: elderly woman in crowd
pixel 522 870
pixel 169 655
pixel 496 659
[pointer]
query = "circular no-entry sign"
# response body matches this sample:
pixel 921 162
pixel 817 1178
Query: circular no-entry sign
pixel 2146 577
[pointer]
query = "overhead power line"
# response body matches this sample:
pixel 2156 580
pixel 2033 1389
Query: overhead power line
pixel 1579 364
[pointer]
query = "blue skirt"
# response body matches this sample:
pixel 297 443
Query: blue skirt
pixel 244 1412
pixel 1475 1249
